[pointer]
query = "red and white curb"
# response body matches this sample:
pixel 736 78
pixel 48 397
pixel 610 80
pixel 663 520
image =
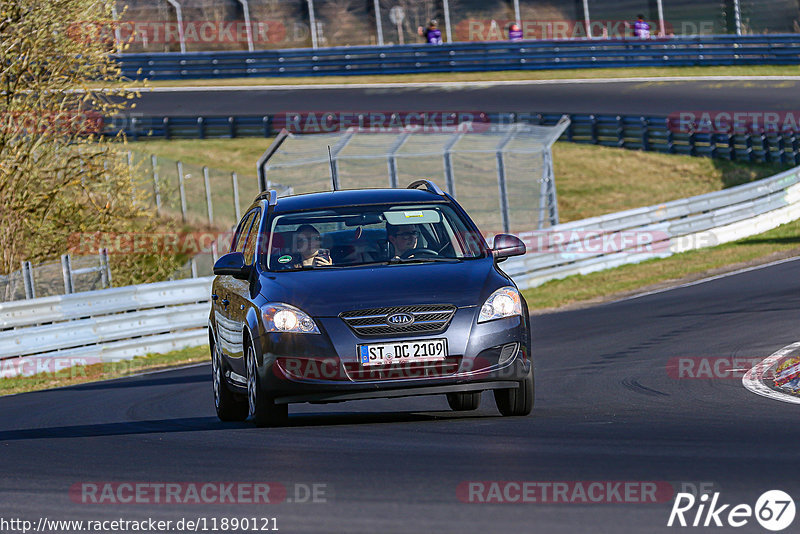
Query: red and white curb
pixel 753 379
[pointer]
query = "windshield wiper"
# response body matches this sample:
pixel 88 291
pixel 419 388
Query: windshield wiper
pixel 394 261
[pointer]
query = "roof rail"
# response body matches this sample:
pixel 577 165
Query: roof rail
pixel 429 185
pixel 270 196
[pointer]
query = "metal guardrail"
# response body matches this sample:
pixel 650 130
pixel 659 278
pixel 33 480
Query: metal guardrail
pixel 649 133
pixel 659 231
pixel 104 325
pixel 121 323
pixel 775 49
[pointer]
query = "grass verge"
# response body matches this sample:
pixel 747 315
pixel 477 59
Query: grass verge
pixel 613 284
pixel 503 75
pixel 104 371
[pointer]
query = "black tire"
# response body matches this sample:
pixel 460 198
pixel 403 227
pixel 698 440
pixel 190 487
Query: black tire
pixel 518 400
pixel 262 408
pixel 464 401
pixel 229 405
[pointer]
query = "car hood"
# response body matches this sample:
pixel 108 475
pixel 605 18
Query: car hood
pixel 328 292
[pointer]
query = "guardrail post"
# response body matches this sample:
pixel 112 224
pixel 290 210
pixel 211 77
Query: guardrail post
pixel 156 190
pixel 27 280
pixel 593 120
pixel 732 147
pixel 201 128
pixel 210 207
pixel 165 122
pixel 795 148
pixel 182 190
pixel 693 143
pixel 266 122
pixel 232 126
pixel 235 184
pixel 712 145
pixel 782 157
pixel 749 144
pixel 134 128
pixel 105 270
pixel 645 134
pixel 66 271
pixel 620 132
pixel 765 148
pixel 670 141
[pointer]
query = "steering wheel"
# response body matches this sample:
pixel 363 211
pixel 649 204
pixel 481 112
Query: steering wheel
pixel 414 251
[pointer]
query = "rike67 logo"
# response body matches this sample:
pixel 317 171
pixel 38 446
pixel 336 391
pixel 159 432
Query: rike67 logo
pixel 774 510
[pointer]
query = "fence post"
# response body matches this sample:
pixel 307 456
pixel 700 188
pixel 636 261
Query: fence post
pixel 105 270
pixel 236 210
pixel 66 271
pixel 133 182
pixel 193 265
pixel 156 191
pixel 27 279
pixel 208 196
pixel 182 189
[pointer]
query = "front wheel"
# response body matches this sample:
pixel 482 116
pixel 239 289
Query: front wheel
pixel 229 406
pixel 261 407
pixel 518 400
pixel 464 401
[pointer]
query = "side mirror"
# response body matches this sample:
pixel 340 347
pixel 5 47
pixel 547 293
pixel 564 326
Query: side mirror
pixel 232 264
pixel 507 245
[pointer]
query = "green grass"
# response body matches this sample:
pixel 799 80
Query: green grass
pixel 104 371
pixel 783 241
pixel 556 74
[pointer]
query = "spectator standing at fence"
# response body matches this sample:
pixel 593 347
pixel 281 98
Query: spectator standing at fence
pixel 514 32
pixel 641 29
pixel 432 33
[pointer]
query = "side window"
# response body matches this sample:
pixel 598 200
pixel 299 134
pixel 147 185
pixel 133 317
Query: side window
pixel 252 238
pixel 241 233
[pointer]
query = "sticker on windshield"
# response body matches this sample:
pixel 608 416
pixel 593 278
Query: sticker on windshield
pixel 285 259
pixel 411 214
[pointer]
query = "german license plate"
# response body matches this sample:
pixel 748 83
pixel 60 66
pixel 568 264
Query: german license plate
pixel 422 350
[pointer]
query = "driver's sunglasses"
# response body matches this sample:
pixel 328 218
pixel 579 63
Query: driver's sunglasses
pixel 407 235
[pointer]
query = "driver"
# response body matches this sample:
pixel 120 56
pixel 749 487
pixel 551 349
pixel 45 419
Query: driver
pixel 402 237
pixel 306 242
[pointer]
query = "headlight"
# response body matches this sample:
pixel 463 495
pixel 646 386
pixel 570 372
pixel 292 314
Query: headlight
pixel 505 302
pixel 279 317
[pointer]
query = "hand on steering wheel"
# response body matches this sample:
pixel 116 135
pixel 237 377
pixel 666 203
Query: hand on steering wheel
pixel 414 251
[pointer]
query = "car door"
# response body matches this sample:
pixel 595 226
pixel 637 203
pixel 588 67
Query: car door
pixel 226 302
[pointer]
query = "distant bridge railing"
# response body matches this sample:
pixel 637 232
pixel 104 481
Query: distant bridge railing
pixel 775 49
pixel 649 133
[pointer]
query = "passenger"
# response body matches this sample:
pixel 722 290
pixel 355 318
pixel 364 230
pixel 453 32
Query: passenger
pixel 402 237
pixel 307 244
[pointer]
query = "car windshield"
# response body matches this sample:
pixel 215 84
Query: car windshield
pixel 368 235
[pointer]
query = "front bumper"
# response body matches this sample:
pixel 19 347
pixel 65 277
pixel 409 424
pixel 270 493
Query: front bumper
pixel 325 367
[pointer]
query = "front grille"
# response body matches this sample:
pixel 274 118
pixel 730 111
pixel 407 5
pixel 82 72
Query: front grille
pixel 428 319
pixel 405 370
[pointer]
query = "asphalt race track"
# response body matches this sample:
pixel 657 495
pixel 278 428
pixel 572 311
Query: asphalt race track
pixel 607 409
pixel 658 98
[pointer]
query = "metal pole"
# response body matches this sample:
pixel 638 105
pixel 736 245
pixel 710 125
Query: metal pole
pixel 313 21
pixel 181 36
pixel 586 19
pixel 248 28
pixel 447 21
pixel 66 271
pixel 133 182
pixel 516 13
pixel 117 34
pixel 208 196
pixel 379 22
pixel 501 177
pixel 449 179
pixel 392 160
pixel 154 163
pixel 662 30
pixel 193 265
pixel 105 271
pixel 236 210
pixel 27 280
pixel 737 17
pixel 182 190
